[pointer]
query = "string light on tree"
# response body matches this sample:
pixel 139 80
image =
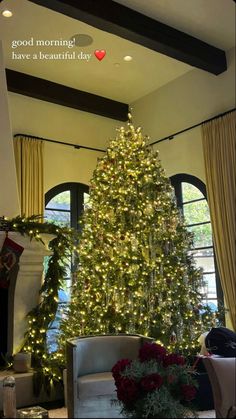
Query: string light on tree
pixel 135 273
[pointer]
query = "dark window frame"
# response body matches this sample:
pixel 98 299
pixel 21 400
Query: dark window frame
pixel 76 190
pixel 176 181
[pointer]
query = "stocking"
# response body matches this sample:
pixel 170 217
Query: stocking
pixel 9 256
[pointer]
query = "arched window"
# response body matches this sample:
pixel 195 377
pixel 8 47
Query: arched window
pixel 65 202
pixel 64 205
pixel 192 201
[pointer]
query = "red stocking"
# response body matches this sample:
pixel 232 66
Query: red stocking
pixel 9 256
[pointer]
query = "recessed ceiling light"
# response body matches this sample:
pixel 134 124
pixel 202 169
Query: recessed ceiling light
pixel 7 13
pixel 128 58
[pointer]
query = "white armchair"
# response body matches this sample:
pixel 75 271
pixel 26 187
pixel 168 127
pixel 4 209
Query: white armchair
pixel 222 376
pixel 90 385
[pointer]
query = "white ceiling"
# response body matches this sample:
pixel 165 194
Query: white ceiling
pixel 212 21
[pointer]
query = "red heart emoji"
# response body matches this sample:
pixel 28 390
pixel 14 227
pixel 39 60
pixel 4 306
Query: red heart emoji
pixel 100 54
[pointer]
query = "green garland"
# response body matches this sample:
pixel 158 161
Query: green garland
pixel 47 367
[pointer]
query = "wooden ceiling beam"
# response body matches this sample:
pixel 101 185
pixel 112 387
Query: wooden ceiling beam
pixel 42 89
pixel 120 20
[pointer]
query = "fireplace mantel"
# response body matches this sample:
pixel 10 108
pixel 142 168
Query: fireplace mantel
pixel 23 292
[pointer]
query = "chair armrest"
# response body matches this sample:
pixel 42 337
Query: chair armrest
pixel 71 355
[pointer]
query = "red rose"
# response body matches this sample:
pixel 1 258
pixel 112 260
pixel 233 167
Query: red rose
pixel 171 378
pixel 127 390
pixel 188 392
pixel 173 359
pixel 119 367
pixel 151 351
pixel 151 382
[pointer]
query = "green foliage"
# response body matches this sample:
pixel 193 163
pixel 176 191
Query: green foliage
pixel 47 366
pixel 159 404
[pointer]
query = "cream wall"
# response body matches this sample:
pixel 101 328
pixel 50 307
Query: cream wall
pixel 184 102
pixel 66 164
pixel 47 120
pixel 9 202
pixel 60 123
pixel 183 154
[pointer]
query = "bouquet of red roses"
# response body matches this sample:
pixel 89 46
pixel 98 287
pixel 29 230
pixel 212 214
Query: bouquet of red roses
pixel 156 385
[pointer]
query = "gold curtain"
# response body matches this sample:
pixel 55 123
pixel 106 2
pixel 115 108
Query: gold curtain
pixel 29 168
pixel 219 140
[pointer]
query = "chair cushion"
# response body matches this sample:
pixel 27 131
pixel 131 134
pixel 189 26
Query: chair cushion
pixel 99 353
pixel 99 384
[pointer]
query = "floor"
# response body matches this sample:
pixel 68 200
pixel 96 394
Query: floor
pixel 62 413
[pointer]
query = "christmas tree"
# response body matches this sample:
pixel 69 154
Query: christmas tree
pixel 135 273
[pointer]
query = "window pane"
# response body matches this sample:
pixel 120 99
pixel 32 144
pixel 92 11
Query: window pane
pixel 63 296
pixel 206 263
pixel 51 340
pixel 86 200
pixel 58 217
pixel 190 192
pixel 210 285
pixel 196 212
pixel 202 252
pixel 213 303
pixel 64 292
pixel 52 332
pixel 60 201
pixel 202 235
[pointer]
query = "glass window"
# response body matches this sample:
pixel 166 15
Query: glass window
pixel 61 218
pixel 190 192
pixel 191 199
pixel 196 212
pixel 61 201
pixel 58 209
pixel 210 285
pixel 86 200
pixel 202 234
pixel 65 204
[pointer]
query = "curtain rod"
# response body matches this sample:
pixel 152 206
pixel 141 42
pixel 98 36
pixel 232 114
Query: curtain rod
pixel 60 142
pixel 170 137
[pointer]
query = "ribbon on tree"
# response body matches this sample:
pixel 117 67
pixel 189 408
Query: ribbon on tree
pixel 9 257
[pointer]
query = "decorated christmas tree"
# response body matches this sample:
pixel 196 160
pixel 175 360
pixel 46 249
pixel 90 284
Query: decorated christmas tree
pixel 135 272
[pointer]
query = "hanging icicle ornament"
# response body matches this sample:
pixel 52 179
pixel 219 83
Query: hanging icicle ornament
pixel 173 338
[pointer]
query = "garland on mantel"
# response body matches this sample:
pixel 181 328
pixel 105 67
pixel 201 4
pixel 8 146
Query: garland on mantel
pixel 46 365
